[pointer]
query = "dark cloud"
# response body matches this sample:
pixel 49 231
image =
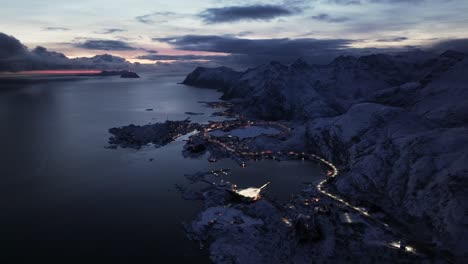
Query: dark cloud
pixel 42 59
pixel 460 45
pixel 327 18
pixel 251 52
pixel 242 53
pixel 412 47
pixel 275 47
pixel 10 46
pixel 150 18
pixel 244 33
pixel 14 56
pixel 177 57
pixel 39 50
pixel 108 45
pixel 397 1
pixel 345 2
pixel 252 12
pixel 359 2
pixel 105 45
pixel 110 30
pixel 56 29
pixel 394 39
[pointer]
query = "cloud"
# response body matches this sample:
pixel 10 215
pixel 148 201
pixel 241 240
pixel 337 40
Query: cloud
pixel 150 18
pixel 274 47
pixel 393 39
pixel 359 2
pixel 56 29
pixel 14 56
pixel 94 44
pixel 110 30
pixel 244 33
pixel 327 18
pixel 250 52
pixel 10 46
pixel 397 1
pixel 177 57
pixel 345 2
pixel 252 12
pixel 241 52
pixel 108 45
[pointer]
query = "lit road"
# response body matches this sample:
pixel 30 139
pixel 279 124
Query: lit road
pixel 241 153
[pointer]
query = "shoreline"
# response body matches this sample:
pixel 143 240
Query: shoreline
pixel 223 147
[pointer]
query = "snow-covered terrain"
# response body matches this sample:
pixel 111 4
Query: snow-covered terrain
pixel 246 132
pixel 395 124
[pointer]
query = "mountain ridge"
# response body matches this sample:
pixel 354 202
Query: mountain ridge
pixel 397 124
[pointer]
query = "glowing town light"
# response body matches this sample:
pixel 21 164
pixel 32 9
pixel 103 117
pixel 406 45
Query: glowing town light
pixel 286 221
pixel 252 193
pixel 347 218
pixel 395 244
pixel 410 249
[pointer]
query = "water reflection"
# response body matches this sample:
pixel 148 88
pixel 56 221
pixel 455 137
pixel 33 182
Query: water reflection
pixel 63 194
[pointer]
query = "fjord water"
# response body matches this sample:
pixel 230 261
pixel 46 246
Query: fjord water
pixel 63 194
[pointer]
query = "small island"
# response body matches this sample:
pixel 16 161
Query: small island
pixel 129 74
pixel 123 74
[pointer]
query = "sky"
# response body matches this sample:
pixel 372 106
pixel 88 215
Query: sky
pixel 151 31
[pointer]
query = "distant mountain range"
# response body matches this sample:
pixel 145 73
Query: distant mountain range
pixel 14 57
pixel 397 125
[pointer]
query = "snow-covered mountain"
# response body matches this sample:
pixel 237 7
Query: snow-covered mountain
pixel 396 124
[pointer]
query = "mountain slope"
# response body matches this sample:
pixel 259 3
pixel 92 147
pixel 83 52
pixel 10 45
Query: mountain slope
pixel 396 124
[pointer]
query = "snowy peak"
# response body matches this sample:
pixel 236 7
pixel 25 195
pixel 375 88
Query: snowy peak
pixel 303 90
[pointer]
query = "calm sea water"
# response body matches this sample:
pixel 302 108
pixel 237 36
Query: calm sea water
pixel 63 195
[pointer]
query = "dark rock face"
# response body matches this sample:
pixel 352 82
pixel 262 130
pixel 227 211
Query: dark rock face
pixel 215 78
pixel 396 124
